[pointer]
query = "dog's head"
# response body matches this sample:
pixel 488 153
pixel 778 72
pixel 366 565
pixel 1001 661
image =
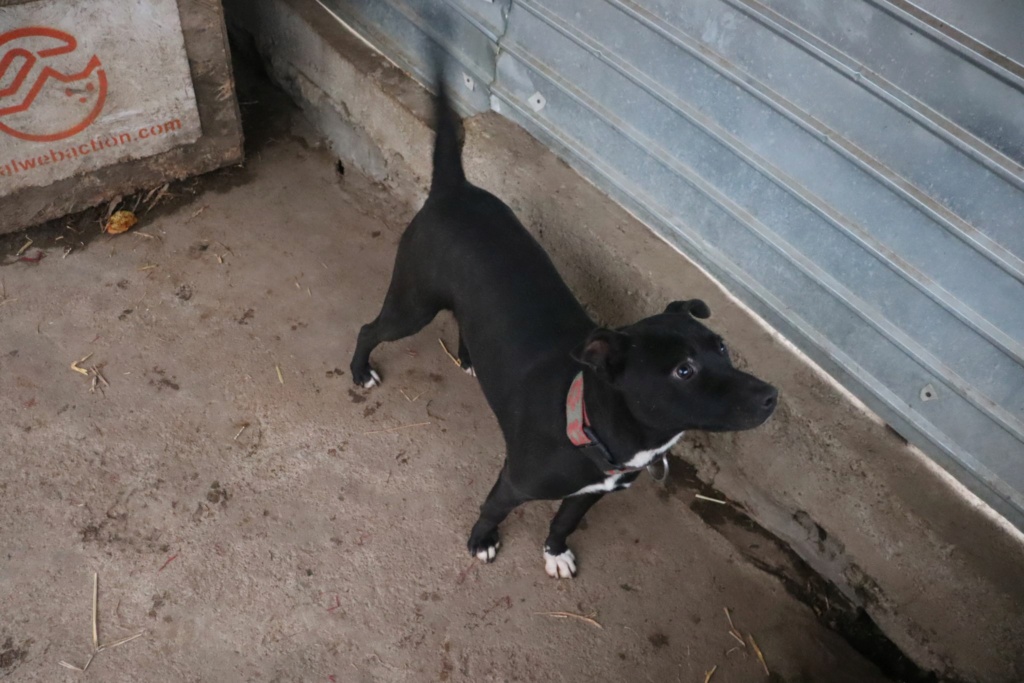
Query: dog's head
pixel 676 374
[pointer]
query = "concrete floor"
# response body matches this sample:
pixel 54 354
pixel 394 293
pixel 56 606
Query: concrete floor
pixel 260 519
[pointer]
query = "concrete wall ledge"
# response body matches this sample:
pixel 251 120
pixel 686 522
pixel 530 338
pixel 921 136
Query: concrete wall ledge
pixel 938 573
pixel 206 46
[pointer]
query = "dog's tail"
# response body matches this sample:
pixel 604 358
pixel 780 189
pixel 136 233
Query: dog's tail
pixel 448 173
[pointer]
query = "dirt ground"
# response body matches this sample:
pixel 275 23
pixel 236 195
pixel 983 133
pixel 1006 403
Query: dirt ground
pixel 258 518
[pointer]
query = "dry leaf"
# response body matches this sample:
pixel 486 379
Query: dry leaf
pixel 120 221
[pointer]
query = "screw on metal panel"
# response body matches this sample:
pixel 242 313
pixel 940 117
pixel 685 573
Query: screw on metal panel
pixel 468 81
pixel 928 393
pixel 536 101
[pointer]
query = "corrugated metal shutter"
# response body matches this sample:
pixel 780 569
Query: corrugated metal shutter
pixel 849 168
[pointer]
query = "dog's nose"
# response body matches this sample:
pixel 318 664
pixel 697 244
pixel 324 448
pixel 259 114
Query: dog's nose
pixel 771 398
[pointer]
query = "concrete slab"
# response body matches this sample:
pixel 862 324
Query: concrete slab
pixel 260 519
pixel 133 128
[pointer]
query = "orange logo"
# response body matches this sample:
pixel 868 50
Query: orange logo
pixel 45 92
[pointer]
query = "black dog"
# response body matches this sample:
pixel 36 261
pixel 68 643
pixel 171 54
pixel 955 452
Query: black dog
pixel 583 408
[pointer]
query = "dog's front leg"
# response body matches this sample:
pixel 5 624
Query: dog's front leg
pixel 559 562
pixel 464 360
pixel 502 500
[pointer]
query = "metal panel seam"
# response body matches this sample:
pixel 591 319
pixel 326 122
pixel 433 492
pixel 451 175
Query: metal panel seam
pixel 948 219
pixel 882 88
pixel 955 40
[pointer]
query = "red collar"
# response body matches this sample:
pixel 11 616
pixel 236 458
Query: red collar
pixel 580 433
pixel 576 414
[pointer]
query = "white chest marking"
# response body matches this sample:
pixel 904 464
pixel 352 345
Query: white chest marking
pixel 604 486
pixel 645 458
pixel 641 459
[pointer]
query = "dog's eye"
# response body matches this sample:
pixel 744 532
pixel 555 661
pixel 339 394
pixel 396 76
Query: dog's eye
pixel 721 348
pixel 685 371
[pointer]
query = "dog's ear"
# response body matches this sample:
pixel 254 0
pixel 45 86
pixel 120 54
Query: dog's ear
pixel 605 352
pixel 695 307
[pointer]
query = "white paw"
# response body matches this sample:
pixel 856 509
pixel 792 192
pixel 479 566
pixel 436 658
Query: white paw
pixel 471 371
pixel 560 566
pixel 373 381
pixel 487 555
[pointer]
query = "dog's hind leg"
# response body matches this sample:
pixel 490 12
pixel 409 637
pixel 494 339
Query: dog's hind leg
pixel 502 500
pixel 404 313
pixel 464 361
pixel 559 562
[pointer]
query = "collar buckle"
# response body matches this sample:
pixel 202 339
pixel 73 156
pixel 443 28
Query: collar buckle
pixel 652 470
